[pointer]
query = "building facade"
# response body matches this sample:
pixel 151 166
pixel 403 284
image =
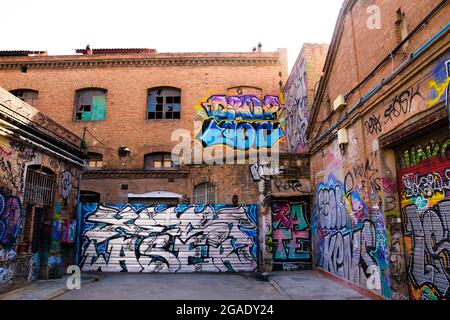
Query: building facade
pixel 378 135
pixel 40 166
pixel 223 117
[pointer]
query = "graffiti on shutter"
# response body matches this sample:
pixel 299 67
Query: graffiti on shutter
pixel 291 236
pixel 424 179
pixel 162 238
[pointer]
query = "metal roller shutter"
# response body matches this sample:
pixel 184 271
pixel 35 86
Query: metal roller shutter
pixel 161 238
pixel 424 189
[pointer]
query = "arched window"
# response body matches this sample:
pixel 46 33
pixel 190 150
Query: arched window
pixel 90 104
pixel 164 103
pixel 27 95
pixel 159 160
pixel 205 193
pixel 40 185
pixel 95 160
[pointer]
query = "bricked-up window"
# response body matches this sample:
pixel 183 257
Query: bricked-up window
pixel 90 104
pixel 27 95
pixel 95 160
pixel 159 160
pixel 205 193
pixel 164 103
pixel 401 27
pixel 39 186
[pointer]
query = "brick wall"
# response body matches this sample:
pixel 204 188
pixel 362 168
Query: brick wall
pixel 358 195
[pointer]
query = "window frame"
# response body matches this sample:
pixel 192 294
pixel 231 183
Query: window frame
pixel 167 92
pixel 164 157
pixel 40 185
pixel 91 93
pixel 95 155
pixel 205 191
pixel 34 100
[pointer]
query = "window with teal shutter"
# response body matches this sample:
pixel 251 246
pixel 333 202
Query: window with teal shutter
pixel 90 105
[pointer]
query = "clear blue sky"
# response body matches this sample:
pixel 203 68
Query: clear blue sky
pixel 167 25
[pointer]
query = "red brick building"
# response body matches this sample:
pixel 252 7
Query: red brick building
pixel 134 99
pixel 378 136
pixel 127 103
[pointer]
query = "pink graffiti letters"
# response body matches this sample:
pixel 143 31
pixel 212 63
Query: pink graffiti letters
pixel 291 235
pixel 221 107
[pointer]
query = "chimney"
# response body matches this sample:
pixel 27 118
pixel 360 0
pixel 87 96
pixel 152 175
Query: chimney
pixel 89 50
pixel 259 46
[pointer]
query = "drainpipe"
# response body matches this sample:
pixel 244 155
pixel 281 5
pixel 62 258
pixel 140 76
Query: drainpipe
pixel 79 220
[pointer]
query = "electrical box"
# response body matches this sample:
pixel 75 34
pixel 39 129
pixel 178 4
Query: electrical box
pixel 339 103
pixel 342 136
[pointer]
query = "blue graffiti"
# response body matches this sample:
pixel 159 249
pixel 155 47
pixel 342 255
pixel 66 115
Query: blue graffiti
pixel 166 238
pixel 349 237
pixel 240 135
pixel 10 220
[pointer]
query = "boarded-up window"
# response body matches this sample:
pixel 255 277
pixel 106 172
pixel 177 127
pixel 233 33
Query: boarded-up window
pixel 90 105
pixel 27 96
pixel 95 160
pixel 164 103
pixel 159 160
pixel 205 193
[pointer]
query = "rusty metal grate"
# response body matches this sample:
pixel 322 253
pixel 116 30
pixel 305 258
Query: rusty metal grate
pixel 39 187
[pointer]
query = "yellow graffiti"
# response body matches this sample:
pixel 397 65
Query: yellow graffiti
pixel 439 88
pixel 4 143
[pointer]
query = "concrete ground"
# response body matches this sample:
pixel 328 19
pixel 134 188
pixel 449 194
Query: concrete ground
pixel 297 285
pixel 281 285
pixel 43 289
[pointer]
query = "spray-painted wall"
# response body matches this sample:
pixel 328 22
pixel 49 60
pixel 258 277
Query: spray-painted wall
pixel 378 221
pixel 17 216
pixel 161 238
pixel 424 179
pixel 297 108
pixel 243 122
pixel 290 236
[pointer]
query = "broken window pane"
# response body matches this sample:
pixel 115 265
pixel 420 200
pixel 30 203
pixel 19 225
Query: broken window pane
pixel 164 103
pixel 90 105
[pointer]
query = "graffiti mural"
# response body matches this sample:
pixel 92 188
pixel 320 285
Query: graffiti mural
pixel 66 184
pixel 10 223
pixel 425 202
pixel 161 238
pixel 350 238
pixel 291 236
pixel 241 122
pixel 297 111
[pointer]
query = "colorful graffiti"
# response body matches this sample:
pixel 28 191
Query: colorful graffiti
pixel 350 238
pixel 297 111
pixel 161 238
pixel 241 122
pixel 425 202
pixel 5 275
pixel 416 154
pixel 10 221
pixel 291 236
